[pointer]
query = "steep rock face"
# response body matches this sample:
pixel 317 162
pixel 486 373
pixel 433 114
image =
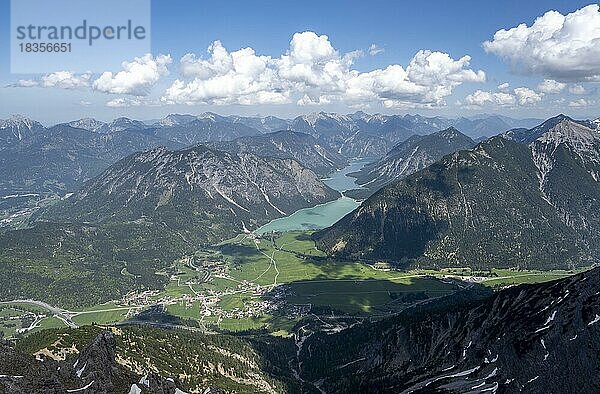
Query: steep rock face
pixel 364 145
pixel 530 338
pixel 202 192
pixel 412 155
pixel 502 204
pixel 301 147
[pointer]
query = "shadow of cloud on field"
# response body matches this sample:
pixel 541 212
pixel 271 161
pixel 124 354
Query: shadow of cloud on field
pixel 360 296
pixel 239 251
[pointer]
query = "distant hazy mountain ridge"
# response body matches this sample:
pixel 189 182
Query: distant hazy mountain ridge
pixel 289 145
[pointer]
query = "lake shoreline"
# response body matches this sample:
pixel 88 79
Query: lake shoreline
pixel 325 214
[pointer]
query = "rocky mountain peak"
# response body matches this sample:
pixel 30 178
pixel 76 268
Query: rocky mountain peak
pixel 450 133
pixel 18 127
pixel 89 124
pixel 237 190
pixel 124 123
pixel 19 121
pixel 569 130
pixel 176 119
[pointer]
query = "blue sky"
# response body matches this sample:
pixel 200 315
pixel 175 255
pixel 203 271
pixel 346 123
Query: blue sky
pixel 399 29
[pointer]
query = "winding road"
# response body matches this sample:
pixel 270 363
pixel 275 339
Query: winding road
pixel 59 313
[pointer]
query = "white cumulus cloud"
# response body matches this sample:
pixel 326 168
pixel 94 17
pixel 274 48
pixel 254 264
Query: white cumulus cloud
pixel 122 102
pixel 503 87
pixel 526 96
pixel 136 78
pixel 313 72
pixel 225 78
pixel 58 79
pixel 577 89
pixel 581 103
pixel 521 96
pixel 560 47
pixel 480 98
pixel 551 86
pixel 24 83
pixel 137 101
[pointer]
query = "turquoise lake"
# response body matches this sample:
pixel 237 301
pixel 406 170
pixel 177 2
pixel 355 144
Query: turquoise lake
pixel 323 215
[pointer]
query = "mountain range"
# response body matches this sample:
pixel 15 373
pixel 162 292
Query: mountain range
pixel 17 128
pixel 288 144
pixel 201 193
pixel 410 156
pixel 500 204
pixel 59 159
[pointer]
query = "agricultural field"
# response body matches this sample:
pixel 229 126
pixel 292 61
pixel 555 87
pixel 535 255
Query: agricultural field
pixel 272 282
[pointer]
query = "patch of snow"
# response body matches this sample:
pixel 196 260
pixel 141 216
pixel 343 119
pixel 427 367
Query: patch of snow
pixel 20 195
pixel 492 374
pixel 596 320
pixel 135 389
pixel 80 371
pixel 541 329
pixel 533 379
pixel 465 349
pixel 544 346
pixel 455 375
pixel 145 381
pixel 493 389
pixel 550 318
pixel 87 386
